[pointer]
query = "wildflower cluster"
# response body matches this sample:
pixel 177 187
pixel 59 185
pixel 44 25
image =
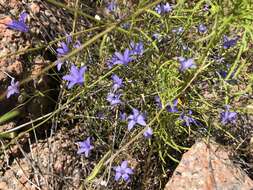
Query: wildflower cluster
pixel 163 62
pixel 114 99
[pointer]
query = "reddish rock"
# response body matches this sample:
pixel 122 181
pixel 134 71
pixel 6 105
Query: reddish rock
pixel 44 165
pixel 3 22
pixel 35 8
pixel 11 3
pixel 208 167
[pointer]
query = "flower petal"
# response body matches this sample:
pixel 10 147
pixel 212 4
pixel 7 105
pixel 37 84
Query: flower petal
pixel 125 177
pixel 131 124
pixel 141 120
pixel 124 164
pixel 117 176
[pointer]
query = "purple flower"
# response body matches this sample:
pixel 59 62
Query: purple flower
pixel 112 6
pixel 135 118
pixel 76 76
pixel 158 9
pixel 202 28
pixel 206 7
pixel 101 115
pixel 224 73
pixel 163 8
pixel 114 99
pixel 148 133
pixel 167 8
pixel 186 64
pixel 117 82
pixel 158 102
pixel 123 116
pixel 63 49
pixel 111 61
pixel 178 30
pixel 126 25
pixel 19 24
pixel 228 116
pixel 123 59
pixel 123 171
pixel 13 88
pixel 172 108
pixel 185 47
pixel 187 119
pixel 228 43
pixel 137 48
pixel 59 64
pixel 157 36
pixel 85 147
pixel 77 44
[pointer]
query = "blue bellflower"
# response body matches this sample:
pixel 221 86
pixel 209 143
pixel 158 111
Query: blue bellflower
pixel 137 48
pixel 172 108
pixel 157 36
pixel 13 88
pixel 185 47
pixel 117 82
pixel 228 116
pixel 113 98
pixel 85 147
pixel 163 8
pixel 123 116
pixel 135 118
pixel 158 102
pixel 19 24
pixel 123 171
pixel 158 9
pixel 112 6
pixel 167 8
pixel 123 59
pixel 69 38
pixel 111 61
pixel 64 49
pixel 224 73
pixel 148 133
pixel 206 7
pixel 77 44
pixel 61 51
pixel 126 25
pixel 202 28
pixel 178 30
pixel 228 43
pixel 187 119
pixel 186 64
pixel 76 76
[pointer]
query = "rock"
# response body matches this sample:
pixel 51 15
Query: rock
pixel 3 22
pixel 35 8
pixel 207 167
pixel 44 166
pixel 25 65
